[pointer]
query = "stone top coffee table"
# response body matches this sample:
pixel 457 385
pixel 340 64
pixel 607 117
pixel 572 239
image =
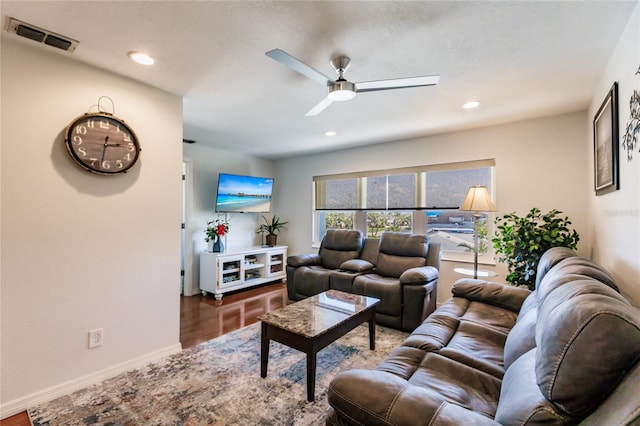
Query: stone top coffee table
pixel 313 323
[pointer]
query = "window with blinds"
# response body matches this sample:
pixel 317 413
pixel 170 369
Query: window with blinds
pixel 421 199
pixel 440 186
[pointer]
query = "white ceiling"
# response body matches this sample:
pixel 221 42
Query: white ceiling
pixel 521 59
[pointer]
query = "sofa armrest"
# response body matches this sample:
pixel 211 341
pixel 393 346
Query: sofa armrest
pixel 357 265
pixel 379 398
pixel 420 275
pixel 501 295
pixel 303 260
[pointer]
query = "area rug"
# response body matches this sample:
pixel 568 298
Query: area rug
pixel 218 383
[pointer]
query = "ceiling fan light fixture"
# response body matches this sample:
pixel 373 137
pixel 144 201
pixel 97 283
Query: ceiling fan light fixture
pixel 341 91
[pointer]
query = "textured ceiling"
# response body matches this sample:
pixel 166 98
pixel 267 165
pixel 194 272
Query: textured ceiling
pixel 521 59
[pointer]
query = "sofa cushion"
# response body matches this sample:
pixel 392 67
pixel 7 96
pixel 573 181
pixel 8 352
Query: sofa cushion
pixel 403 244
pixel 491 316
pixel 549 259
pixel 580 358
pixel 521 338
pixel 570 269
pixel 387 289
pixel 338 246
pixel 388 400
pixel 454 415
pixel 457 383
pixel 370 250
pixel 477 346
pixel 400 251
pixel 471 333
pixel 402 361
pixel 437 329
pixel 450 380
pixel 521 402
pixel 393 266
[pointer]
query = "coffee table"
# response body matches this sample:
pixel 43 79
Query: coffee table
pixel 313 323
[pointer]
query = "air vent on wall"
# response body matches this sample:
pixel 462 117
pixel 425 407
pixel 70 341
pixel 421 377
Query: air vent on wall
pixel 41 35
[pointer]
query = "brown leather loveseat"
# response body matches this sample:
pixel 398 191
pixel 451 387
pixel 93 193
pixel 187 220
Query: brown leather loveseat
pixel 566 353
pixel 400 269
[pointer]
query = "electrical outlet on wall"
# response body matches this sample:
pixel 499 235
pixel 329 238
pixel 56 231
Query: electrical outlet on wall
pixel 96 338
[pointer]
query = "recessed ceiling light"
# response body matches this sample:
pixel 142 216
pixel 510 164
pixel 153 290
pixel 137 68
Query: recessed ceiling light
pixel 471 104
pixel 141 58
pixel 330 133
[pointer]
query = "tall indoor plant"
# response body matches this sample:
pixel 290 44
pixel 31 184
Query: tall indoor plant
pixel 521 241
pixel 271 228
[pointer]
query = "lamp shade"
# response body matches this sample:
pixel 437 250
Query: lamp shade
pixel 477 200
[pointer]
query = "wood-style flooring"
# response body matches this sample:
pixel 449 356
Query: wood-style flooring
pixel 204 318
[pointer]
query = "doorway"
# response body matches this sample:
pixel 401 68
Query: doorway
pixel 187 287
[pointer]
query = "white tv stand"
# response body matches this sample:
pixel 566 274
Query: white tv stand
pixel 242 268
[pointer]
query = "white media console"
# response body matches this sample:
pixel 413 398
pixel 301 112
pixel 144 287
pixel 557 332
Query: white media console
pixel 242 268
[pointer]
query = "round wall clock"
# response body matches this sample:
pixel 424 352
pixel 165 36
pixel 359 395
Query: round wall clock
pixel 102 143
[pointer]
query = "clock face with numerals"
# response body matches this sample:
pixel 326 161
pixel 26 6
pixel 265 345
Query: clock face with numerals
pixel 102 143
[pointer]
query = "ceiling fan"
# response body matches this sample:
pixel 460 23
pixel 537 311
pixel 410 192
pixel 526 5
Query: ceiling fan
pixel 341 89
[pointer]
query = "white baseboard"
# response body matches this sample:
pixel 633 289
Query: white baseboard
pixel 21 404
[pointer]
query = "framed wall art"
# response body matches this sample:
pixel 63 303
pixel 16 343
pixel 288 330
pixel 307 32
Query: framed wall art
pixel 605 144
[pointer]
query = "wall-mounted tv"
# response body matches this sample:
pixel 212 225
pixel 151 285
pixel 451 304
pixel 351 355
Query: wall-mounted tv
pixel 243 194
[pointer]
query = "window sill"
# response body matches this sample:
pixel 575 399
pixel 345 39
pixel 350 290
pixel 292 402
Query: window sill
pixel 460 257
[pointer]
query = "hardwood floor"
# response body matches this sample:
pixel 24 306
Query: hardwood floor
pixel 204 318
pixel 20 419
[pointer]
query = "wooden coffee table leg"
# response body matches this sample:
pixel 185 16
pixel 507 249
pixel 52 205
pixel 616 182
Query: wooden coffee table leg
pixel 311 376
pixel 372 331
pixel 264 351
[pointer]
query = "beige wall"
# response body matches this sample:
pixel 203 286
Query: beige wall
pixel 82 251
pixel 539 163
pixel 614 218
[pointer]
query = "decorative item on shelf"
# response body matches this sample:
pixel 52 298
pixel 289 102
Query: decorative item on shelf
pixel 477 201
pixel 216 229
pixel 271 228
pixel 218 246
pixel 521 241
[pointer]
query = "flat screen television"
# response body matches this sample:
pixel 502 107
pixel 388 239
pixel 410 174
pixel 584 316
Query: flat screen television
pixel 243 194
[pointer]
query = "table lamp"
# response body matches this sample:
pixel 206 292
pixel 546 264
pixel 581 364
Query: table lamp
pixel 477 201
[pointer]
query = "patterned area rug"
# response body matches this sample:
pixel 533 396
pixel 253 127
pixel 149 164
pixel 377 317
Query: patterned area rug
pixel 219 383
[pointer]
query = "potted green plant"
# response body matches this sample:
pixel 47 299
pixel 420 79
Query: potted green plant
pixel 271 228
pixel 521 241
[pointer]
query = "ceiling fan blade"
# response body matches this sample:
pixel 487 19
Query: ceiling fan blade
pixel 397 83
pixel 297 65
pixel 319 107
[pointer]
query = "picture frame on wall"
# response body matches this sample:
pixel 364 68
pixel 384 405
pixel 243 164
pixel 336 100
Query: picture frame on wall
pixel 605 144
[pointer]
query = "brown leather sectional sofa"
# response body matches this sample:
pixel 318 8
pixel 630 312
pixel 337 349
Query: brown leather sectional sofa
pixel 400 269
pixel 566 353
